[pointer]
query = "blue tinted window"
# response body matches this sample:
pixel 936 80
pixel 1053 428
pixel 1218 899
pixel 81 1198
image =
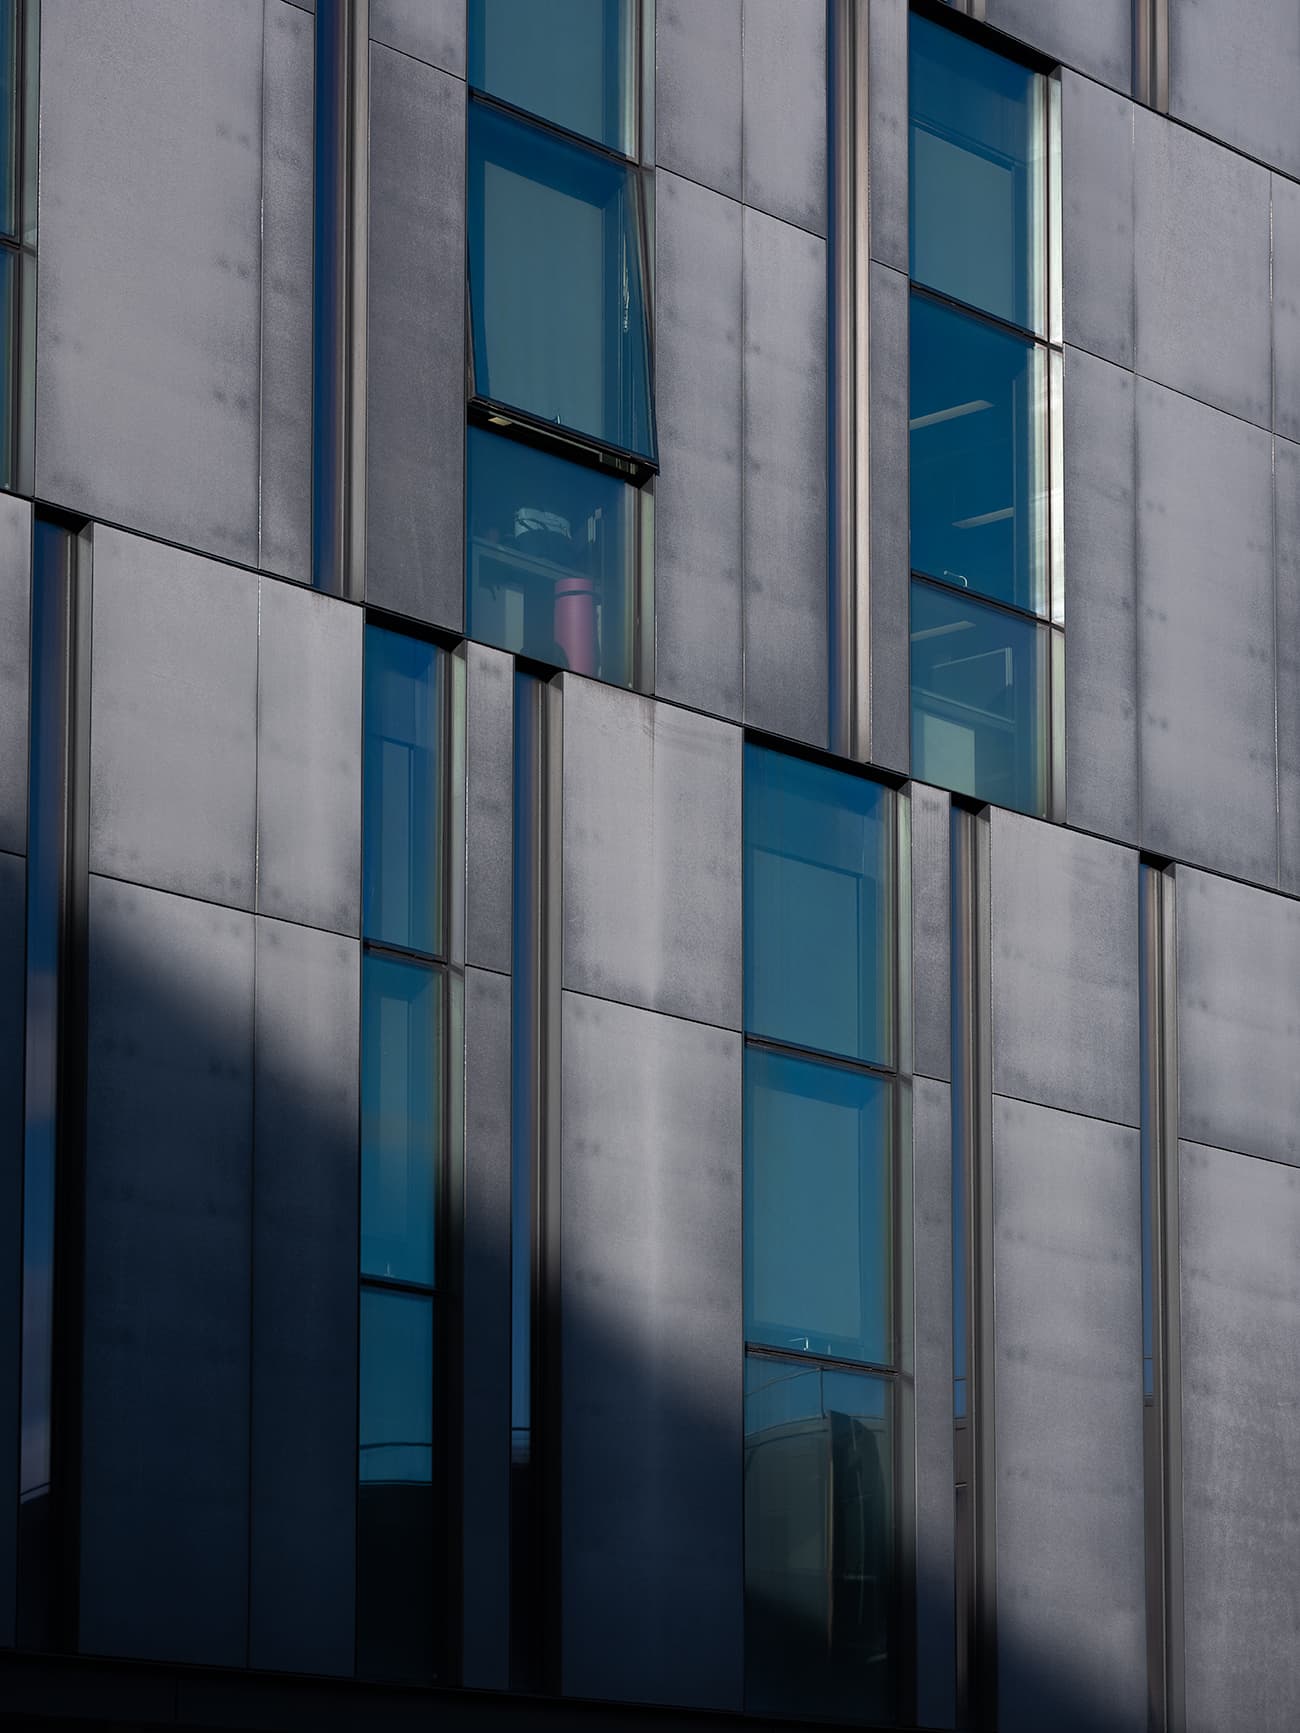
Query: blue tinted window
pixel 403 811
pixel 569 61
pixel 818 907
pixel 396 1386
pixel 979 699
pixel 817 1207
pixel 556 286
pixel 549 550
pixel 401 1047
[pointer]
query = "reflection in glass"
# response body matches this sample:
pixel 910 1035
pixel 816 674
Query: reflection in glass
pixel 979 699
pixel 978 456
pixel 549 548
pixel 976 169
pixel 817 1207
pixel 401 1048
pixel 556 286
pixel 403 818
pixel 818 1541
pixel 569 61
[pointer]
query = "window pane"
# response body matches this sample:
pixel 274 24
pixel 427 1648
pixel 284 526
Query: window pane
pixel 817 1208
pixel 976 175
pixel 400 1061
pixel 570 61
pixel 555 282
pixel 549 547
pixel 818 907
pixel 978 457
pixel 979 699
pixel 403 813
pixel 818 1542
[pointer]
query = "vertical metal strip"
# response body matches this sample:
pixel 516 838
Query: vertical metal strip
pixel 905 1454
pixel 548 1368
pixel 451 1288
pixel 984 1395
pixel 1170 1315
pixel 357 257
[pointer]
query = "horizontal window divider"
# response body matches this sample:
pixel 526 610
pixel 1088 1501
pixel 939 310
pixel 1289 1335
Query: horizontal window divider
pixel 403 954
pixel 1025 614
pixel 817 1362
pixel 397 1285
pixel 1006 326
pixel 553 127
pixel 526 428
pixel 870 1067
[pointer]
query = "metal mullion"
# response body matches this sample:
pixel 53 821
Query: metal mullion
pixel 1010 608
pixel 785 1049
pixel 511 111
pixel 821 1362
pixel 400 1285
pixel 403 954
pixel 1008 327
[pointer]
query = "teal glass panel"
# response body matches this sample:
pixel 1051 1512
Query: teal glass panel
pixel 818 907
pixel 401 1045
pixel 978 451
pixel 549 553
pixel 976 181
pixel 569 61
pixel 817 1220
pixel 402 869
pixel 557 290
pixel 396 1424
pixel 819 1542
pixel 979 699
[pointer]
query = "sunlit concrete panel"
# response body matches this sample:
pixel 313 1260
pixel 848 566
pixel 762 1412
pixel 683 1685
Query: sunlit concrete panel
pixel 783 112
pixel 784 479
pixel 888 589
pixel 1067 1372
pixel 12 988
pixel 698 92
pixel 1097 216
pixel 1201 226
pixel 168 1158
pixel 1286 529
pixel 415 356
pixel 931 928
pixel 1064 942
pixel 887 132
pixel 1286 307
pixel 173 747
pixel 1205 637
pixel 148 322
pixel 651 1356
pixel 1239 1231
pixel 15 609
pixel 489 808
pixel 302 1564
pixel 933 1373
pixel 1095 38
pixel 309 758
pixel 431 30
pixel 651 854
pixel 1234 72
pixel 1101 647
pixel 698 602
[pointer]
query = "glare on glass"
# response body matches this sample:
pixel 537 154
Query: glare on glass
pixel 396 1420
pixel 400 1065
pixel 569 61
pixel 403 811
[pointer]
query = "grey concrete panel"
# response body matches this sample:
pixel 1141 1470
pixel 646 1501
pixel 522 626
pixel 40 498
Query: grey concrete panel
pixel 931 925
pixel 889 529
pixel 887 132
pixel 309 758
pixel 652 1351
pixel 1238 1022
pixel 697 92
pixel 169 1097
pixel 485 1503
pixel 1097 217
pixel 1096 38
pixel 1286 529
pixel 15 635
pixel 306 1069
pixel 1234 72
pixel 431 30
pixel 1064 969
pixel 1068 1447
pixel 173 739
pixel 13 894
pixel 288 82
pixel 149 315
pixel 785 480
pixel 652 854
pixel 1201 226
pixel 698 600
pixel 415 412
pixel 1205 637
pixel 933 1372
pixel 1239 1228
pixel 1286 307
pixel 783 112
pixel 489 806
pixel 1101 652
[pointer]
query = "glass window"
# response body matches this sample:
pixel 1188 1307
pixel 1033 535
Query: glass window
pixel 403 812
pixel 570 61
pixel 401 1050
pixel 396 1386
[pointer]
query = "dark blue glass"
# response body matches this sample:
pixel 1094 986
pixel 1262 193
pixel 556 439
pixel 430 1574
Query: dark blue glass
pixel 819 1542
pixel 549 548
pixel 557 291
pixel 818 907
pixel 402 868
pixel 979 699
pixel 569 61
pixel 976 175
pixel 817 1208
pixel 396 1425
pixel 401 1045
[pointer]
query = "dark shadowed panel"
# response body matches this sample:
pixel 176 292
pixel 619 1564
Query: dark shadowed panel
pixel 12 986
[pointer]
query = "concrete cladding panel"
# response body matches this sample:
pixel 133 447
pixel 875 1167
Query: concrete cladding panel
pixel 149 315
pixel 12 991
pixel 169 1116
pixel 1239 1232
pixel 489 805
pixel 933 1370
pixel 783 116
pixel 1065 969
pixel 1095 38
pixel 1097 218
pixel 1286 529
pixel 652 854
pixel 431 30
pixel 1068 1451
pixel 1286 307
pixel 698 605
pixel 15 633
pixel 931 924
pixel 1201 226
pixel 887 132
pixel 173 747
pixel 652 1357
pixel 1234 72
pixel 889 602
pixel 697 94
pixel 1205 636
